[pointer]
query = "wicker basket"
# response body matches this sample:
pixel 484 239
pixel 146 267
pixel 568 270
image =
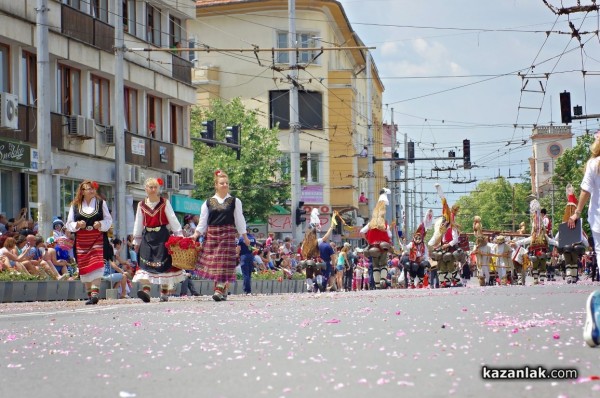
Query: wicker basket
pixel 184 258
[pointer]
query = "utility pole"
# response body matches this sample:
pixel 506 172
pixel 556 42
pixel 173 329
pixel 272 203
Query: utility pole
pixel 120 230
pixel 406 213
pixel 393 168
pixel 371 180
pixel 294 123
pixel 45 196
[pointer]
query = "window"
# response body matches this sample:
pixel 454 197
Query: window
pixel 153 25
pixel 154 117
pixel 310 112
pixel 131 110
pixel 177 124
pixel 68 90
pixel 129 16
pixel 4 72
pixel 546 167
pixel 73 3
pixel 28 89
pixel 303 40
pixel 175 32
pixel 100 100
pixel 309 167
pixel 99 9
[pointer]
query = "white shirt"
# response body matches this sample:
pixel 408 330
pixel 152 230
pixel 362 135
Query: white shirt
pixel 238 216
pixel 138 225
pixel 591 184
pixel 89 208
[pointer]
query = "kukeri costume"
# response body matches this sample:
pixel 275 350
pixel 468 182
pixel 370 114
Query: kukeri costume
pixel 378 235
pixel 445 243
pixel 416 258
pixel 538 242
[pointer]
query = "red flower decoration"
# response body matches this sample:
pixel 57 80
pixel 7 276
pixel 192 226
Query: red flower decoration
pixel 95 185
pixel 160 181
pixel 181 242
pixel 217 172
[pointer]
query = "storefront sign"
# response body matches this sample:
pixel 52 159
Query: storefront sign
pixel 283 222
pixel 184 204
pixel 312 194
pixel 258 230
pixel 15 155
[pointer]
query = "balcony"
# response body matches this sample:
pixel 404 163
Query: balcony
pixel 83 27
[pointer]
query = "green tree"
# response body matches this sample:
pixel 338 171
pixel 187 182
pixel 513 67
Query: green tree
pixel 569 168
pixel 502 206
pixel 257 178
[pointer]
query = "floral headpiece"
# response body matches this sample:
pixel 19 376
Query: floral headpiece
pixel 160 181
pixel 217 172
pixel 94 185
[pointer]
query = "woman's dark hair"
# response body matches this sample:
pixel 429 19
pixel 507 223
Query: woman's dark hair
pixel 116 241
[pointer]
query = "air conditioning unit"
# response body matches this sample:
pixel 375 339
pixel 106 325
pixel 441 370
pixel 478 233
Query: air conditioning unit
pixel 133 174
pixel 9 104
pixel 172 182
pixel 76 126
pixel 109 135
pixel 90 128
pixel 187 176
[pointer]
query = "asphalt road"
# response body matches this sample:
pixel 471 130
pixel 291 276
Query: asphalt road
pixel 421 343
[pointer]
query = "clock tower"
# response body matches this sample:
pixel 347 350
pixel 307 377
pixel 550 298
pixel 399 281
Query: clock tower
pixel 549 143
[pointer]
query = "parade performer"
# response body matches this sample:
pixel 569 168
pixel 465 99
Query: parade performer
pixel 520 261
pixel 445 241
pixel 477 228
pixel 89 219
pixel 221 220
pixel 538 242
pixel 417 259
pixel 378 234
pixel 316 257
pixel 572 253
pixel 483 255
pixel 153 220
pixel 502 252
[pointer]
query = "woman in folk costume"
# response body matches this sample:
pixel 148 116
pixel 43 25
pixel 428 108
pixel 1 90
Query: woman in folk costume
pixel 502 252
pixel 445 241
pixel 378 234
pixel 153 220
pixel 417 257
pixel 573 252
pixel 538 243
pixel 221 222
pixel 89 219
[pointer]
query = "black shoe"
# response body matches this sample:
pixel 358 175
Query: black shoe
pixel 195 294
pixel 144 296
pixel 92 300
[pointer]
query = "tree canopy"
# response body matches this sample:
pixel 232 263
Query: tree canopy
pixel 257 178
pixel 501 205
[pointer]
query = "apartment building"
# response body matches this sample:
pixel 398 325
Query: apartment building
pixel 157 97
pixel 333 88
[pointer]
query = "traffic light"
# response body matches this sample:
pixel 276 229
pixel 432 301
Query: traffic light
pixel 209 131
pixel 411 152
pixel 233 134
pixel 233 137
pixel 300 212
pixel 565 107
pixel 466 154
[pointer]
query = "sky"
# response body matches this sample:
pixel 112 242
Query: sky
pixel 450 71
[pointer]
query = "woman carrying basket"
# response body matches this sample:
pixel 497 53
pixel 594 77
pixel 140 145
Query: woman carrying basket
pixel 153 219
pixel 221 222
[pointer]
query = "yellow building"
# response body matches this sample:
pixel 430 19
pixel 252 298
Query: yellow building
pixel 333 87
